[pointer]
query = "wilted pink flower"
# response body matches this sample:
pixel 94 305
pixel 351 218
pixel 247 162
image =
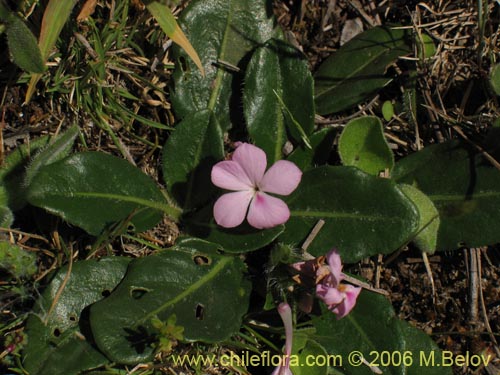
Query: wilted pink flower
pixel 246 175
pixel 286 316
pixel 339 297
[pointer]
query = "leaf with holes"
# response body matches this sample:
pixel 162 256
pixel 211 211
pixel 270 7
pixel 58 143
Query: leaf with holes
pixel 464 187
pixel 94 191
pixel 188 156
pixel 362 144
pixel 408 349
pixel 358 69
pixel 223 32
pixel 364 215
pixel 278 97
pixel 208 294
pixel 58 343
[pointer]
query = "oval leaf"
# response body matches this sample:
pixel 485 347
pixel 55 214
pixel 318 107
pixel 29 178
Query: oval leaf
pixel 58 344
pixel 364 215
pixel 362 144
pixel 94 191
pixel 463 186
pixel 427 233
pixel 372 328
pixel 208 297
pixel 188 156
pixel 222 32
pixel 23 46
pixel 358 69
pixel 278 97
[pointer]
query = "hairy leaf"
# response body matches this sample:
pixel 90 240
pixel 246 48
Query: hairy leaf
pixel 362 144
pixel 94 191
pixel 188 157
pixel 59 339
pixel 358 68
pixel 278 98
pixel 222 32
pixel 464 187
pixel 207 293
pixel 364 215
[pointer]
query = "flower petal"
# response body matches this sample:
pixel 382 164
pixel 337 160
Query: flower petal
pixel 252 160
pixel 267 212
pixel 230 175
pixel 335 265
pixel 282 178
pixel 231 208
pixel 351 294
pixel 329 295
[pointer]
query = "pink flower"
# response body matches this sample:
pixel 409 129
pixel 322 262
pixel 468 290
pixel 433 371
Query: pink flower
pixel 340 298
pixel 245 176
pixel 286 316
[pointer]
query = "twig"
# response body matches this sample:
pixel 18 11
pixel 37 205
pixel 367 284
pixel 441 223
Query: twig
pixel 490 158
pixel 310 238
pixel 364 285
pixel 483 305
pixel 61 288
pixel 431 278
pixel 473 286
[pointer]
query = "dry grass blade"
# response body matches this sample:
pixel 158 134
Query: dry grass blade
pixel 55 16
pixel 169 25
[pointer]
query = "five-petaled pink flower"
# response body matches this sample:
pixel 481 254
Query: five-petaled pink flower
pixel 245 174
pixel 339 297
pixel 286 316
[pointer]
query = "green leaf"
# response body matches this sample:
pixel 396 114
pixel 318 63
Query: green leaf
pixel 388 110
pixel 23 46
pixel 364 215
pixel 304 349
pixel 16 261
pixel 6 216
pixel 221 31
pixel 463 186
pixel 362 144
pixel 425 46
pixel 233 240
pixel 55 16
pixel 94 191
pixel 56 150
pixel 12 172
pixel 319 153
pixel 357 70
pixel 495 79
pixel 60 343
pixel 188 156
pixel 372 329
pixel 22 164
pixel 207 292
pixel 278 96
pixel 427 233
